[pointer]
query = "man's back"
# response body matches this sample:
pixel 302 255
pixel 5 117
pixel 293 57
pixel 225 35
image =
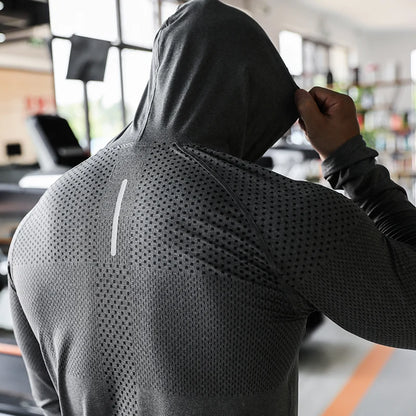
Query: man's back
pixel 170 275
pixel 167 280
pixel 148 282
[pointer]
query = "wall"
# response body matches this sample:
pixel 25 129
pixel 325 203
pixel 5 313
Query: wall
pixel 277 15
pixel 389 49
pixel 385 48
pixel 22 93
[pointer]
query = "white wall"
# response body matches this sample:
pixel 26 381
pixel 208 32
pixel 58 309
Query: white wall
pixel 389 49
pixel 277 15
pixel 383 48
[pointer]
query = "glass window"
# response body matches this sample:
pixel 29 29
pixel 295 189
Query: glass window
pixel 413 75
pixel 338 63
pixel 290 48
pixel 92 18
pixel 139 21
pixel 321 59
pixel 136 72
pixel 104 98
pixel 69 93
pixel 168 8
pixel 105 104
pixel 315 64
pixel 309 60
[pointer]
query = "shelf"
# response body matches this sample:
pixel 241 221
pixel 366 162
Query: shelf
pixel 378 84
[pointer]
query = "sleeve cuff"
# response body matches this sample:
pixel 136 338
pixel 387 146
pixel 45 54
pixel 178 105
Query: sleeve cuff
pixel 350 153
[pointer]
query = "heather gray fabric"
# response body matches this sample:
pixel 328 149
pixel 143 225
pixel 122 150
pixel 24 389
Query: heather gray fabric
pixel 217 81
pixel 170 275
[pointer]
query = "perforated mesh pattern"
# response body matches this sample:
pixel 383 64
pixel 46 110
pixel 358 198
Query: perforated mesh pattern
pixel 211 341
pixel 62 311
pixel 66 215
pixel 173 224
pixel 218 263
pixel 191 304
pixel 117 340
pixel 295 217
pixel 381 302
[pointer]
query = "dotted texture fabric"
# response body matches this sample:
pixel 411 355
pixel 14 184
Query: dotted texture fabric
pixel 202 309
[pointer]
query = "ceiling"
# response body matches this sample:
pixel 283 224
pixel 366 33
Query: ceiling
pixel 375 15
pixel 25 49
pixel 24 26
pixel 17 15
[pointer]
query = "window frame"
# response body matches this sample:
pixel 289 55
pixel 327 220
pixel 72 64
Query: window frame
pixel 120 45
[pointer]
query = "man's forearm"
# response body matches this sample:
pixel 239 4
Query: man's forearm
pixel 352 167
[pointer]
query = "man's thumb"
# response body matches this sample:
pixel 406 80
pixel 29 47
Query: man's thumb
pixel 307 107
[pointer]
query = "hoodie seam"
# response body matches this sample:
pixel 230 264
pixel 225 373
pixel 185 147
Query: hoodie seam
pixel 153 92
pixel 290 292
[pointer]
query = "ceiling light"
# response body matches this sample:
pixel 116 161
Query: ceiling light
pixel 1 5
pixel 2 37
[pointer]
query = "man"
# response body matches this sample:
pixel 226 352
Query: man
pixel 170 275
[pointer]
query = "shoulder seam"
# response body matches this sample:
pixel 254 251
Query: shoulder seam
pixel 290 292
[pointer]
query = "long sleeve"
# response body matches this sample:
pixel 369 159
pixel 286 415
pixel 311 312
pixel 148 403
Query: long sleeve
pixel 368 283
pixel 325 251
pixel 368 286
pixel 353 168
pixel 42 387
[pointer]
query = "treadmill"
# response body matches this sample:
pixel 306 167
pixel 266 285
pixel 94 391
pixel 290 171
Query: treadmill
pixel 58 151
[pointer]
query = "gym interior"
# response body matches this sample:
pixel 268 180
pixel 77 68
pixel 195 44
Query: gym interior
pixel 71 77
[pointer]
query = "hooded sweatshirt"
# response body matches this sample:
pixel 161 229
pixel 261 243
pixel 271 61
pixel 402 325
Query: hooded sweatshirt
pixel 170 275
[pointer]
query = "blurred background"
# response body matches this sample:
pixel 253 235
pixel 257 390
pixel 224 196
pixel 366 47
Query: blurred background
pixel 72 74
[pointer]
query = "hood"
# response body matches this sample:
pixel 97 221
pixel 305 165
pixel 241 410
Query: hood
pixel 216 81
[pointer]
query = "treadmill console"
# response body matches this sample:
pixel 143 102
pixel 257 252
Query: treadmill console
pixel 55 142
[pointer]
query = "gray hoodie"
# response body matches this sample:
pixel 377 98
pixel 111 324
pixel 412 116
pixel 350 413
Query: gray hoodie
pixel 170 275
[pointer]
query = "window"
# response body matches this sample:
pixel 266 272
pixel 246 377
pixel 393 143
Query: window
pixel 139 22
pixel 92 18
pixel 412 116
pixel 290 45
pixel 413 75
pixel 136 70
pixel 130 26
pixel 68 93
pixel 315 63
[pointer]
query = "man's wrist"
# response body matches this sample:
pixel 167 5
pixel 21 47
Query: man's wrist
pixel 351 152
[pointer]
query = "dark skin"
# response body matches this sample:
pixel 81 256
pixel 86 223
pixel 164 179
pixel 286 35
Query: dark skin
pixel 328 118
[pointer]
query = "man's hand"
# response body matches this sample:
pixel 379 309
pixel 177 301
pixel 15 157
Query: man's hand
pixel 328 118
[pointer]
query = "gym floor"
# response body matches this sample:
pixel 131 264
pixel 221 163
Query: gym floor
pixel 339 374
pixel 342 375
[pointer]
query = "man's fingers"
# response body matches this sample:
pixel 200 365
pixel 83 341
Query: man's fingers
pixel 323 93
pixel 327 117
pixel 326 99
pixel 307 107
